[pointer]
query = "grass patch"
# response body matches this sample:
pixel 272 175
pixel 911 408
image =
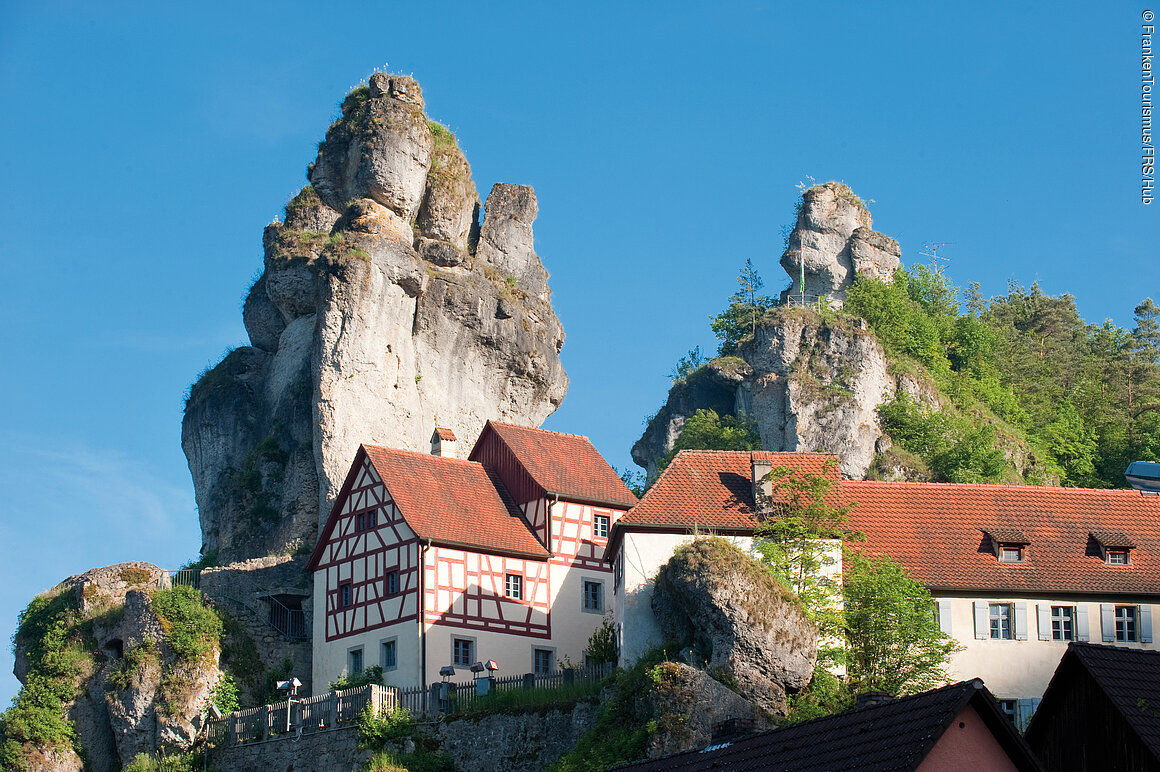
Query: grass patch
pixel 512 701
pixel 386 734
pixel 192 629
pixel 55 635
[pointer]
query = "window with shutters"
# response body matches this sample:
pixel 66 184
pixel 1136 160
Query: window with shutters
pixel 1000 621
pixel 1126 623
pixel 1063 623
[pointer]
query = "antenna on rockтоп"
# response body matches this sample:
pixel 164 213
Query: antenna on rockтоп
pixel 932 248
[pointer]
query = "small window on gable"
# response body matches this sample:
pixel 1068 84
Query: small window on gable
pixel 1115 547
pixel 392 582
pixel 1008 544
pixel 514 586
pixel 344 595
pixel 600 526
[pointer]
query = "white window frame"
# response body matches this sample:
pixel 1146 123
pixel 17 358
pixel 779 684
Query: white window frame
pixel 993 618
pixel 513 586
pixel 597 521
pixel 1063 623
pixel 1012 553
pixel 1127 625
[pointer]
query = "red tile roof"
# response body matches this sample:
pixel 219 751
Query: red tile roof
pixel 451 502
pixel 714 488
pixel 566 465
pixel 937 531
pixel 445 434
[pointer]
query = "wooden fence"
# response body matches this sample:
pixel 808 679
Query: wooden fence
pixel 337 709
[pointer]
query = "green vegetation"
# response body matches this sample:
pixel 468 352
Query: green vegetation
pixel 746 306
pixel 130 669
pixel 894 641
pixel 56 637
pixel 386 734
pixel 370 675
pixel 706 430
pixel 621 731
pixel 687 365
pixel 225 696
pixel 443 136
pixel 602 644
pixel 797 543
pixel 164 762
pixel 192 629
pixel 518 700
pixel 208 560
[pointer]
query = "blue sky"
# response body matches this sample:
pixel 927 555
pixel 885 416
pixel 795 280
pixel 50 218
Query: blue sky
pixel 145 148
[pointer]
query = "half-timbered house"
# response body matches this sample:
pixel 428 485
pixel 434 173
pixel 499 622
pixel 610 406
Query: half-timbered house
pixel 427 561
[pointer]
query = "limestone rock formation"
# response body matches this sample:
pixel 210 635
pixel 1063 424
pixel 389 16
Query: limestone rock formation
pixel 811 384
pixel 385 309
pixel 138 694
pixel 834 238
pixel 689 706
pixel 749 632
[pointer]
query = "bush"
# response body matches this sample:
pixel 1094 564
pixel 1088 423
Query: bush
pixel 371 675
pixel 192 629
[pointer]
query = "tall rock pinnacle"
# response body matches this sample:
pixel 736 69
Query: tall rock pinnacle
pixel 385 309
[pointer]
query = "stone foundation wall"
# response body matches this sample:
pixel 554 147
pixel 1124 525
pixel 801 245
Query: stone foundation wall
pixel 333 751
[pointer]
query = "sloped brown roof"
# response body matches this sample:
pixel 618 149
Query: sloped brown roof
pixel 895 735
pixel 566 465
pixel 714 489
pixel 449 501
pixel 936 531
pixel 445 434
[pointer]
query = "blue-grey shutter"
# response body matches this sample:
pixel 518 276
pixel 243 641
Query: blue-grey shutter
pixel 1043 612
pixel 1146 623
pixel 944 616
pixel 1024 710
pixel 1108 621
pixel 982 624
pixel 1081 624
pixel 1021 621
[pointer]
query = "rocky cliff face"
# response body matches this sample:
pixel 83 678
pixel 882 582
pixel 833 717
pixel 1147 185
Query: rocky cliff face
pixel 834 238
pixel 741 622
pixel 385 309
pixel 811 381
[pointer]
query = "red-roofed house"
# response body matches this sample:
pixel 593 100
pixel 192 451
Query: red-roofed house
pixel 1017 571
pixel 428 561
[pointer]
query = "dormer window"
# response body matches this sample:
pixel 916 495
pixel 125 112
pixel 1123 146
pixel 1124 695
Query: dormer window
pixel 1008 545
pixel 1010 553
pixel 1115 547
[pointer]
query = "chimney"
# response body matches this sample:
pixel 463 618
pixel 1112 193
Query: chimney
pixel 443 443
pixel 762 487
pixel 872 699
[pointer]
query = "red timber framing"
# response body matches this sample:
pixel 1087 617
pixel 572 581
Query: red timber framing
pixel 467 590
pixel 573 541
pixel 360 555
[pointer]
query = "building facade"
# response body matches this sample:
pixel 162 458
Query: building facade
pixel 428 561
pixel 1017 572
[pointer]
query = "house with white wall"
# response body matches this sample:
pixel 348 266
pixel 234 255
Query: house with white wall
pixel 1016 571
pixel 428 561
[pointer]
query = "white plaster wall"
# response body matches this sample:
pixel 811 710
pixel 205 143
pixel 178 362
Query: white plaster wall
pixel 331 659
pixel 642 555
pixel 1014 669
pixel 571 625
pixel 513 653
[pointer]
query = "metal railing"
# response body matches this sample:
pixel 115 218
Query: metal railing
pixel 336 710
pixel 291 622
pixel 185 577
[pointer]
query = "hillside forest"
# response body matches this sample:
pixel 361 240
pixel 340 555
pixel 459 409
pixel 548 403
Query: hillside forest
pixel 1019 373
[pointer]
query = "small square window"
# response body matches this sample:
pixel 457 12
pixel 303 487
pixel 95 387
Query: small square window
pixel 1126 627
pixel 1010 553
pixel 462 652
pixel 1000 617
pixel 1009 708
pixel 593 596
pixel 514 586
pixel 600 526
pixel 542 660
pixel 356 661
pixel 390 655
pixel 392 582
pixel 1117 557
pixel 345 599
pixel 1063 623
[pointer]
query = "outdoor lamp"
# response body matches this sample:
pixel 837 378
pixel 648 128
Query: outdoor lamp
pixel 477 667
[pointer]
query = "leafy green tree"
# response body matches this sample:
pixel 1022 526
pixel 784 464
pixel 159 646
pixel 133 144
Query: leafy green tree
pixel 706 430
pixel 797 541
pixel 602 644
pixel 895 644
pixel 688 364
pixel 746 306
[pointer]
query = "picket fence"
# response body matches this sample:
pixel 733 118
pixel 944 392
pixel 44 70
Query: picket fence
pixel 338 709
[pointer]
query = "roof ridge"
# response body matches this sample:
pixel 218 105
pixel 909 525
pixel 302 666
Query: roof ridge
pixel 419 454
pixel 537 429
pixel 931 483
